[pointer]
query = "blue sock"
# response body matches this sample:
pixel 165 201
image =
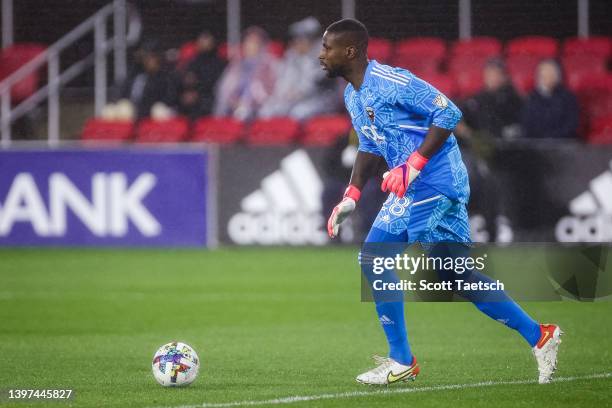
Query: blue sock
pixel 391 317
pixel 496 304
pixel 389 307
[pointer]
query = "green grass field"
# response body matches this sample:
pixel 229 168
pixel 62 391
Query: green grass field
pixel 267 324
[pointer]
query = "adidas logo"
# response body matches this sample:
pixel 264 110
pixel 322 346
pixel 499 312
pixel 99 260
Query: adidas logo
pixel 591 219
pixel 385 320
pixel 286 209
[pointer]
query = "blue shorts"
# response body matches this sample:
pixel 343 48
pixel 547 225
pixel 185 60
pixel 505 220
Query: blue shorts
pixel 423 216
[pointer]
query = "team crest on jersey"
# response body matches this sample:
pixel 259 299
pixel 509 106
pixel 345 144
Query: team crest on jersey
pixel 440 101
pixel 370 112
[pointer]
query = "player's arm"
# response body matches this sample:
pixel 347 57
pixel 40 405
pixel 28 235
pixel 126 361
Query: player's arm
pixel 422 98
pixel 366 165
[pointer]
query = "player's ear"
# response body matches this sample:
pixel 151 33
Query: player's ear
pixel 350 52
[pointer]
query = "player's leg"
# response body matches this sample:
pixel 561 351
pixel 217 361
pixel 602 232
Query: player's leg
pixel 452 235
pixel 382 243
pixel 389 305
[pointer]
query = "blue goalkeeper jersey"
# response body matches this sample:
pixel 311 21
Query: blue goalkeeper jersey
pixel 392 112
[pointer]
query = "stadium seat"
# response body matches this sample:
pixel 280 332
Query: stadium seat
pixel 325 130
pixel 217 130
pixel 542 47
pixel 594 93
pixel 417 65
pixel 487 47
pixel 596 46
pixel 599 105
pixel 273 131
pixel 583 64
pixel 223 51
pixel 380 49
pixel 276 48
pixel 522 70
pixel 601 131
pixel 473 54
pixel 186 53
pixel 105 130
pixel 460 63
pixel 13 58
pixel 426 46
pixel 523 82
pixel 442 83
pixel 162 131
pixel 467 82
pixel 420 55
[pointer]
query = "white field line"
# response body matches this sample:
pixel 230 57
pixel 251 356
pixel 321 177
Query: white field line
pixel 386 391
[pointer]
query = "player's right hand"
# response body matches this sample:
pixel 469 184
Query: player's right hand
pixel 343 210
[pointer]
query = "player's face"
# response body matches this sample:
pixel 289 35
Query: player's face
pixel 333 58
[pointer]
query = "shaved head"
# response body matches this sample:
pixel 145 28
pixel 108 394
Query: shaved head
pixel 351 32
pixel 345 45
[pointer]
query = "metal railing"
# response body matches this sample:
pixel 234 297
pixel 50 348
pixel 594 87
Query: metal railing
pixel 56 78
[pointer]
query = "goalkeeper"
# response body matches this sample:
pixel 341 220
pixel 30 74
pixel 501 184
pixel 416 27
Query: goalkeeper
pixel 407 123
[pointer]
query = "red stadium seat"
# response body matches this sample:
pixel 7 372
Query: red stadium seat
pixel 186 53
pixel 13 58
pixel 325 130
pixel 599 105
pixel 468 82
pixel 522 70
pixel 420 55
pixel 473 54
pixel 601 131
pixel 460 63
pixel 276 48
pixel 426 46
pixel 594 93
pixel 164 131
pixel 583 64
pixel 223 51
pixel 542 47
pixel 380 50
pixel 523 82
pixel 442 83
pixel 487 47
pixel 217 130
pixel 105 130
pixel 417 65
pixel 596 46
pixel 273 131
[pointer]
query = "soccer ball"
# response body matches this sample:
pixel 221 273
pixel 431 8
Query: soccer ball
pixel 175 364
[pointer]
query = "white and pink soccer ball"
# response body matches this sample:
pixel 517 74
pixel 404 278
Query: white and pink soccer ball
pixel 175 364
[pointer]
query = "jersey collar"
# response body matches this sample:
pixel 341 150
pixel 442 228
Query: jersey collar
pixel 367 75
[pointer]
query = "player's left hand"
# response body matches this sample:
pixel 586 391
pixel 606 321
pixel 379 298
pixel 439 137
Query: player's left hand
pixel 398 179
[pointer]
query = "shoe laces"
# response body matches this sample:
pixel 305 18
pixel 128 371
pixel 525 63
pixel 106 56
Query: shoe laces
pixel 383 363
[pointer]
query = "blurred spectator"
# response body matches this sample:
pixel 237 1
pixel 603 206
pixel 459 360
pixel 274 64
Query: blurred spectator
pixel 197 83
pixel 496 109
pixel 248 79
pixel 150 83
pixel 551 110
pixel 302 89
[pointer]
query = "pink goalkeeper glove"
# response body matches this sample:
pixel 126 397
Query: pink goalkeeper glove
pixel 343 210
pixel 399 178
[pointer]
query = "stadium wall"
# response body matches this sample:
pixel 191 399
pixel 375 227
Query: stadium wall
pixel 105 197
pixel 193 196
